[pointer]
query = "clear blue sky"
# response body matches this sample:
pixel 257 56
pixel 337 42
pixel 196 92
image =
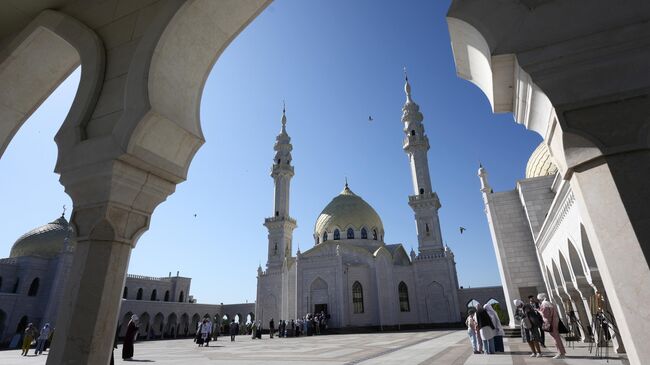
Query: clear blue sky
pixel 335 63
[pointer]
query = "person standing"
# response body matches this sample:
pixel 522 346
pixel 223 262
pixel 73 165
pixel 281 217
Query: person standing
pixel 486 329
pixel 42 339
pixel 498 329
pixel 129 338
pixel 551 324
pixel 271 327
pixel 206 331
pixel 234 329
pixel 471 330
pixel 29 335
pixel 530 327
pixel 535 304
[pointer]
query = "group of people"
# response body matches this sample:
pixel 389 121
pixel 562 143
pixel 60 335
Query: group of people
pixel 484 329
pixel 309 325
pixel 535 318
pixel 42 338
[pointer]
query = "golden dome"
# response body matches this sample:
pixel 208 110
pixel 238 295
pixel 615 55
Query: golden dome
pixel 45 241
pixel 540 163
pixel 348 210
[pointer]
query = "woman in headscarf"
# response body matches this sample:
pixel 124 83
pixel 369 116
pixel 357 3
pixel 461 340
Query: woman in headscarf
pixel 498 329
pixel 486 329
pixel 129 338
pixel 30 334
pixel 551 318
pixel 530 326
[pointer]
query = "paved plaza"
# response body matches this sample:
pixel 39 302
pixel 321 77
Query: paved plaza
pixel 403 348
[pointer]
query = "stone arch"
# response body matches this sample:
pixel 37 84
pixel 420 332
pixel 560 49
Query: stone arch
pixel 166 295
pixel 185 324
pixel 68 43
pixel 437 304
pixel 364 233
pixel 590 260
pixel 194 325
pixel 250 317
pixel 125 321
pixel 144 325
pixel 403 297
pixel 357 298
pixel 138 296
pixel 172 325
pixel 239 318
pixel 154 295
pixel 158 325
pixel 181 297
pixel 318 296
pixel 22 324
pixel 33 287
pixel 349 233
pixel 565 270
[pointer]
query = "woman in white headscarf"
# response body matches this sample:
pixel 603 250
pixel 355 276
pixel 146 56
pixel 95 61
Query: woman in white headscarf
pixel 129 338
pixel 530 326
pixel 486 329
pixel 498 329
pixel 551 318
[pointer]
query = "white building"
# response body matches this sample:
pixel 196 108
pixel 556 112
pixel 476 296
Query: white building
pixel 351 273
pixel 541 244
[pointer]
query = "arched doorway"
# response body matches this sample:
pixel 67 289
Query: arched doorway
pixel 144 324
pixel 157 327
pixel 185 324
pixel 318 296
pixel 172 328
pixel 194 326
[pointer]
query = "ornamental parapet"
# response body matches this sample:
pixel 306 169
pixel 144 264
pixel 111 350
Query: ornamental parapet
pixel 280 219
pixel 281 169
pixel 411 142
pixel 150 278
pixel 423 200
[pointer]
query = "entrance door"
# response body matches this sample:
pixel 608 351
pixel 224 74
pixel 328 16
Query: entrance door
pixel 320 308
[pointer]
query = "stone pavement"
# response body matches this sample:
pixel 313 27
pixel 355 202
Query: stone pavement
pixel 404 348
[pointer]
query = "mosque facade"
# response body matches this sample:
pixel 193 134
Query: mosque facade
pixel 32 281
pixel 351 273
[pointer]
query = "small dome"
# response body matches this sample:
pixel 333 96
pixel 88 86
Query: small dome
pixel 540 163
pixel 345 210
pixel 46 241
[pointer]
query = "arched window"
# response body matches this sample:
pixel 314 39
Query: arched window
pixel 324 236
pixel 125 293
pixel 154 293
pixel 181 297
pixel 412 132
pixel 33 288
pixel 167 296
pixel 364 234
pixel 337 235
pixel 357 297
pixel 421 191
pixel 350 233
pixel 403 291
pixel 374 234
pixel 139 295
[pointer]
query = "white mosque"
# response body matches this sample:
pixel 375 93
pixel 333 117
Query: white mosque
pixel 351 273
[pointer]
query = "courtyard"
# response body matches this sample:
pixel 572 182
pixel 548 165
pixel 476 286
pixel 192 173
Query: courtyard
pixel 449 347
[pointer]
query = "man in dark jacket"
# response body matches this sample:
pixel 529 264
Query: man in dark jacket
pixel 271 327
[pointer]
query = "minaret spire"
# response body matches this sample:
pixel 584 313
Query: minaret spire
pixel 281 225
pixel 424 201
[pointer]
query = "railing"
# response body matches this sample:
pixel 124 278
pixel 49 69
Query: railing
pixel 142 277
pixel 279 219
pixel 425 196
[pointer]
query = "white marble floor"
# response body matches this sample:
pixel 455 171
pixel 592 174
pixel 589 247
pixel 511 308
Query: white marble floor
pixel 403 348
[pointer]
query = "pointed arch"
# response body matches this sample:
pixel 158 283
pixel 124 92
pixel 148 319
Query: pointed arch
pixel 139 295
pixel 403 293
pixel 324 236
pixel 350 233
pixel 33 287
pixel 374 234
pixel 143 323
pixel 357 297
pixel 364 233
pixel 565 270
pixel 337 235
pixel 167 296
pixel 154 294
pixel 181 297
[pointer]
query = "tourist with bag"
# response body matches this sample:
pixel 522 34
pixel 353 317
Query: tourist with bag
pixel 530 331
pixel 551 324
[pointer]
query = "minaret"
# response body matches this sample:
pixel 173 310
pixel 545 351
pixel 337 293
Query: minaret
pixel 424 202
pixel 485 186
pixel 281 225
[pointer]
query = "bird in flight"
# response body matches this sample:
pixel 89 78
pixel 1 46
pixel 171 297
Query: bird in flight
pixel 195 215
pixel 462 229
pixel 370 118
